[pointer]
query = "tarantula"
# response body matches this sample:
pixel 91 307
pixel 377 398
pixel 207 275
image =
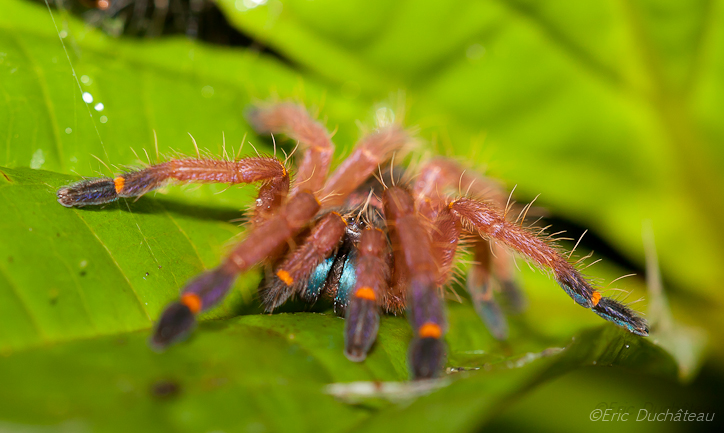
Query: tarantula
pixel 366 243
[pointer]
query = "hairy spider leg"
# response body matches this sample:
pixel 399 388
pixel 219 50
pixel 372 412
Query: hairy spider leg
pixel 95 191
pixel 490 222
pixel 292 275
pixel 295 122
pixel 424 303
pixel 270 234
pixel 369 152
pixel 440 177
pixel 480 288
pixel 209 288
pixel 271 195
pixel 445 234
pixel 362 314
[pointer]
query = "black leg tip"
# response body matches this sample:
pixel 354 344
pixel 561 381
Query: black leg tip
pixel 175 323
pixel 88 192
pixel 514 296
pixel 427 358
pixel 64 197
pixel 355 354
pixel 621 315
pixel 360 328
pixel 643 330
pixel 493 317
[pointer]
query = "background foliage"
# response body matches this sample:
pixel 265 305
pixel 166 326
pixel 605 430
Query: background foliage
pixel 611 111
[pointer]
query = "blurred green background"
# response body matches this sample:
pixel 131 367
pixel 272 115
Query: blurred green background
pixel 607 109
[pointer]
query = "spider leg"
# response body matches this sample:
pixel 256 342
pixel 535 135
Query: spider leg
pixel 371 151
pixel 95 191
pixel 481 291
pixel 490 222
pixel 293 274
pixel 441 176
pixel 270 198
pixel 424 303
pixel 209 288
pixel 362 315
pixel 295 122
pixel 274 224
pixel 445 234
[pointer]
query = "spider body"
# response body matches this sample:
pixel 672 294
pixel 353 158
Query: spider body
pixel 368 244
pixel 332 279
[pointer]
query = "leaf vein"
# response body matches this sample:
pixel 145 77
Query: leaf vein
pixel 115 262
pixel 43 84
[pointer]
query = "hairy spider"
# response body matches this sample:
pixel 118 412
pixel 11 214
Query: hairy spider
pixel 360 240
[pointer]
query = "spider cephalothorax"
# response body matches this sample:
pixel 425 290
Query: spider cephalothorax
pixel 365 244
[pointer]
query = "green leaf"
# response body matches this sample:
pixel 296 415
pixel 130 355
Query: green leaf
pixel 84 321
pixel 59 344
pixel 476 399
pixel 80 288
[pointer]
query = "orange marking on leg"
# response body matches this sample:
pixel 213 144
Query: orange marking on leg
pixel 365 292
pixel 430 330
pixel 192 301
pixel 340 217
pixel 284 276
pixel 595 298
pixel 119 182
pixel 284 169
